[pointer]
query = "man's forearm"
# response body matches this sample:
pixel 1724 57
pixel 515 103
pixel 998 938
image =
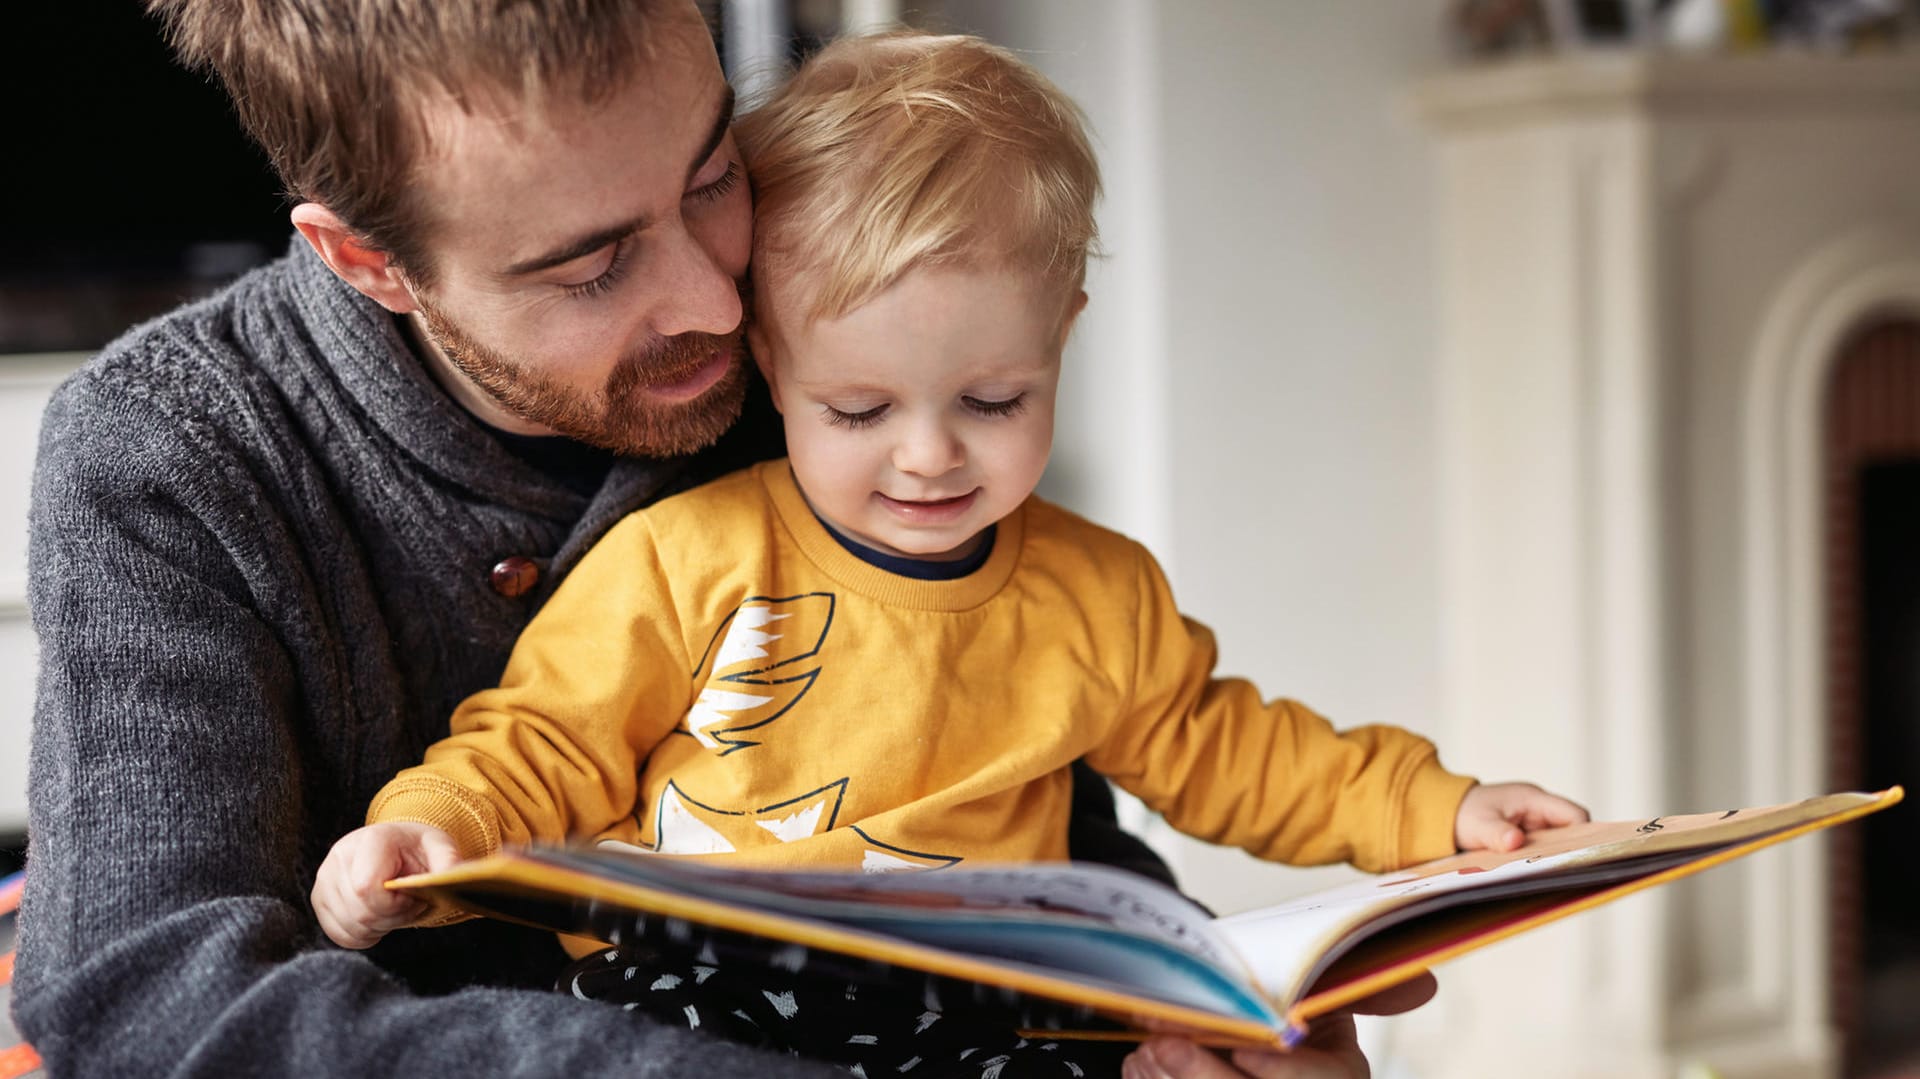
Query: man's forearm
pixel 219 989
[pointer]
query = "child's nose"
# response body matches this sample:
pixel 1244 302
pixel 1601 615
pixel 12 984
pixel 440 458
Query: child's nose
pixel 929 449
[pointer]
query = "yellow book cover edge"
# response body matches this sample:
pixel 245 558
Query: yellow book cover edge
pixel 1318 1004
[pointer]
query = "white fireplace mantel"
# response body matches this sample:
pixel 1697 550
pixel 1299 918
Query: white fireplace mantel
pixel 1644 263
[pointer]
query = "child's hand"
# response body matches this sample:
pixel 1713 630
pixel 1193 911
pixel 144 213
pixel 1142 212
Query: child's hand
pixel 1497 816
pixel 350 896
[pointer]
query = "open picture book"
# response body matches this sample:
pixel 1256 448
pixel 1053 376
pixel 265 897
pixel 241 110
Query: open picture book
pixel 1091 951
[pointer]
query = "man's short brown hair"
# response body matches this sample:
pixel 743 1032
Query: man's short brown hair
pixel 332 89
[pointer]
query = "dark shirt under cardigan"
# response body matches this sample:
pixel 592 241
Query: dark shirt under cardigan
pixel 261 547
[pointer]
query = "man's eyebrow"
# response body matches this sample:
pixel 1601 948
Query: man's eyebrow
pixel 573 249
pixel 721 122
pixel 599 238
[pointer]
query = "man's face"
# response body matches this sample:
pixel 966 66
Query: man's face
pixel 587 257
pixel 924 415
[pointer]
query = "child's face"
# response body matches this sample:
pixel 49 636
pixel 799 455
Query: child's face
pixel 926 414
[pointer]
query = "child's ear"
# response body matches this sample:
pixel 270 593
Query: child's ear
pixel 1074 306
pixel 762 350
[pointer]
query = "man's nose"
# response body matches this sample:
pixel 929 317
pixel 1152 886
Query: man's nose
pixel 928 449
pixel 696 294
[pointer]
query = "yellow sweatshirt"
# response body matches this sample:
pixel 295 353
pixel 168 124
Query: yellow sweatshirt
pixel 720 675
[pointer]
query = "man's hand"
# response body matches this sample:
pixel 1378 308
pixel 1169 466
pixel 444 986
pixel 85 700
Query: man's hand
pixel 1497 816
pixel 1331 1051
pixel 350 895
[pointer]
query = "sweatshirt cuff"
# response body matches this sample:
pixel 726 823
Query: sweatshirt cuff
pixel 445 805
pixel 1428 811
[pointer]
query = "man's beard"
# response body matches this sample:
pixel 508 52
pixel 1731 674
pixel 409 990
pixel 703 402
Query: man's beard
pixel 621 417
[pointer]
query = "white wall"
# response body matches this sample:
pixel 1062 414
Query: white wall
pixel 1251 389
pixel 25 384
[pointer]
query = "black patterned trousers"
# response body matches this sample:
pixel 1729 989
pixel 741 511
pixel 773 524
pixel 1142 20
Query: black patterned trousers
pixel 876 1022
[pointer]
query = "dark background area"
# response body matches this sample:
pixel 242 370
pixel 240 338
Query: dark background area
pixel 129 184
pixel 1890 943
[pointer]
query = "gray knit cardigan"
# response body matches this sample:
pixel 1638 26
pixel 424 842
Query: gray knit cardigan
pixel 260 555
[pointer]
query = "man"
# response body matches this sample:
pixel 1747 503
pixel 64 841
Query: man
pixel 278 535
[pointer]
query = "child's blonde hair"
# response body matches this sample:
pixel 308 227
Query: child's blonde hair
pixel 894 151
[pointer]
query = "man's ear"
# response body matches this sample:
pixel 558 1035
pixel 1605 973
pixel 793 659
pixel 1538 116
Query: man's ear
pixel 762 349
pixel 1075 305
pixel 357 264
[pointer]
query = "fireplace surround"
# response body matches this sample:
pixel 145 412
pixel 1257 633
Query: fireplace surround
pixel 1648 267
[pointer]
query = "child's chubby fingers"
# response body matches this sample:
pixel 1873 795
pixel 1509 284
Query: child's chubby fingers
pixel 345 917
pixel 1497 816
pixel 436 851
pixel 373 856
pixel 332 900
pixel 350 924
pixel 1531 808
pixel 1483 829
pixel 1547 810
pixel 350 897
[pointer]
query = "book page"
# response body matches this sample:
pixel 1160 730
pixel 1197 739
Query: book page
pixel 1287 945
pixel 1122 900
pixel 1110 897
pixel 1115 938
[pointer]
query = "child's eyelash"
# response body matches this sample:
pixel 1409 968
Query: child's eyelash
pixel 869 417
pixel 854 420
pixel 998 408
pixel 609 277
pixel 719 189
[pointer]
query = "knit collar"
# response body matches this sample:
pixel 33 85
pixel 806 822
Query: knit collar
pixel 378 367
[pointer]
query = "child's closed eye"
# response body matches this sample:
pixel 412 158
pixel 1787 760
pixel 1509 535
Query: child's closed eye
pixel 1007 407
pixel 853 420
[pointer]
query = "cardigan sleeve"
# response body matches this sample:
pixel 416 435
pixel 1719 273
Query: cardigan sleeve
pixel 165 928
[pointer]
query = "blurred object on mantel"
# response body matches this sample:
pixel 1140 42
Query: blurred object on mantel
pixel 1481 29
pixel 1496 27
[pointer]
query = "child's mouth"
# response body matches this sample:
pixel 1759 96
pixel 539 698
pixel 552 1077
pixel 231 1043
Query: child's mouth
pixel 930 510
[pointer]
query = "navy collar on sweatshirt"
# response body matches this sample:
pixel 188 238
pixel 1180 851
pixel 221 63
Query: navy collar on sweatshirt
pixel 918 568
